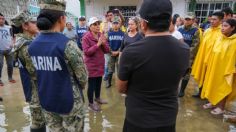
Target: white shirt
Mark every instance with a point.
(177, 35)
(5, 38)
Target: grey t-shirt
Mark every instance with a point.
(70, 34)
(5, 38)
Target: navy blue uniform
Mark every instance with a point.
(188, 35)
(54, 83)
(80, 32)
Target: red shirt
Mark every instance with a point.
(94, 55)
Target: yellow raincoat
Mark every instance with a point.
(231, 99)
(203, 56)
(220, 72)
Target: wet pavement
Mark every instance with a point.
(14, 112)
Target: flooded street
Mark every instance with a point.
(14, 112)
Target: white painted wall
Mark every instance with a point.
(73, 6)
(179, 7)
(99, 7)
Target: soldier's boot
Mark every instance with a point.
(182, 88)
(109, 79)
(42, 129)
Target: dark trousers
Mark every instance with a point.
(129, 127)
(9, 61)
(94, 86)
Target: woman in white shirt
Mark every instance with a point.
(173, 30)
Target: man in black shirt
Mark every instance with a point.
(150, 71)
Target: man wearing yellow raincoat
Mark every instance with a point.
(221, 70)
(208, 40)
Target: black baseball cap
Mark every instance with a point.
(151, 9)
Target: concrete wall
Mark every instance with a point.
(99, 7)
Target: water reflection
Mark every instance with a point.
(15, 113)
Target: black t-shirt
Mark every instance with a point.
(129, 40)
(153, 68)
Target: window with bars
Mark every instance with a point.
(204, 9)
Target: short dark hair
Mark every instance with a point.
(110, 11)
(176, 15)
(47, 18)
(17, 30)
(6, 23)
(232, 23)
(228, 11)
(82, 19)
(1, 15)
(160, 23)
(116, 11)
(219, 14)
(68, 23)
(174, 18)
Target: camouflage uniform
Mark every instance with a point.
(20, 51)
(74, 121)
(112, 64)
(193, 51)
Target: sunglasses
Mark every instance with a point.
(96, 24)
(188, 19)
(34, 22)
(115, 23)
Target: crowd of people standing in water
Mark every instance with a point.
(151, 58)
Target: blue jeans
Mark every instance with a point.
(107, 57)
(9, 61)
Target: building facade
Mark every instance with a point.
(128, 7)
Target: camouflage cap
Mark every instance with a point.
(58, 5)
(116, 19)
(190, 15)
(21, 18)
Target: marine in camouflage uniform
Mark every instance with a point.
(73, 121)
(21, 53)
(193, 51)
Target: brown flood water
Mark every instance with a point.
(14, 112)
